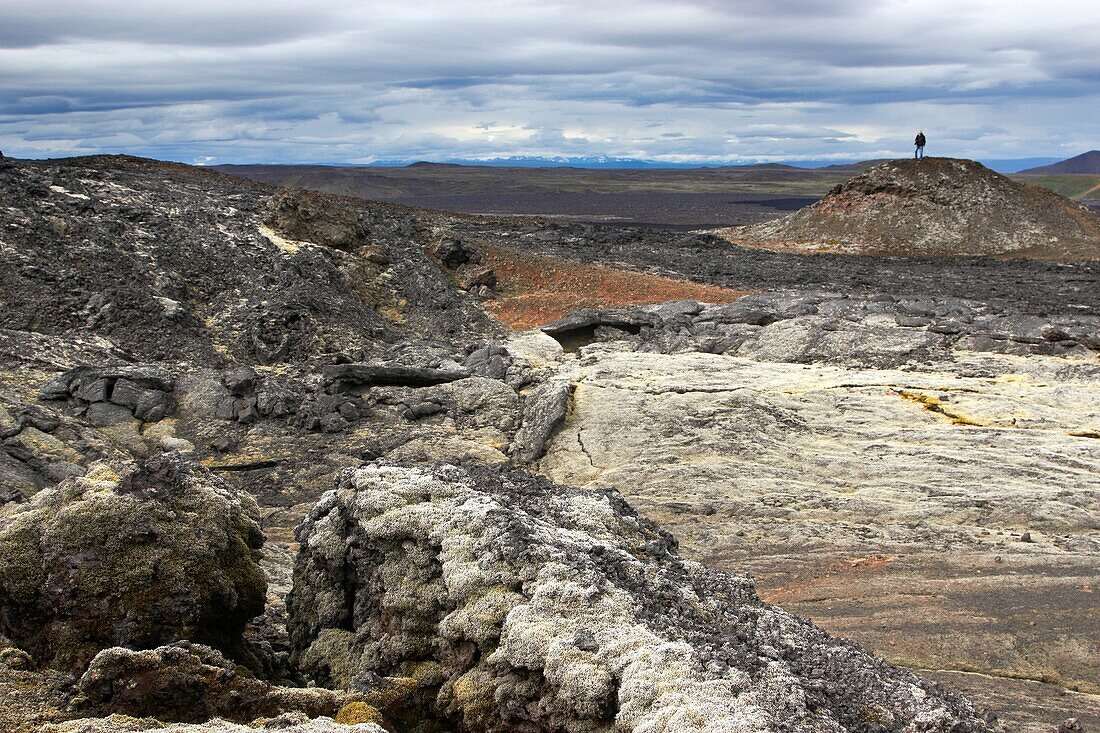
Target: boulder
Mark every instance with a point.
(519, 604)
(544, 409)
(288, 723)
(131, 555)
(240, 380)
(144, 392)
(192, 683)
(489, 360)
(453, 254)
(470, 277)
(340, 377)
(312, 217)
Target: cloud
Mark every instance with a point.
(701, 80)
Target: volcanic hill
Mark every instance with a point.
(1083, 164)
(934, 207)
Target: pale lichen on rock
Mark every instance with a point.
(555, 608)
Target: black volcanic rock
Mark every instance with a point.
(316, 218)
(169, 262)
(341, 376)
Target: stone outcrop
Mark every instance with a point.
(519, 604)
(289, 723)
(814, 327)
(167, 263)
(280, 337)
(544, 409)
(311, 217)
(464, 263)
(345, 376)
(192, 683)
(106, 395)
(41, 446)
(131, 555)
(956, 485)
(942, 207)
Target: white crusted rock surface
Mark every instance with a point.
(519, 604)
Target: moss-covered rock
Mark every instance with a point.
(132, 555)
(355, 713)
(289, 723)
(192, 683)
(550, 608)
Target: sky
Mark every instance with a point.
(703, 81)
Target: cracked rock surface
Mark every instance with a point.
(902, 449)
(955, 490)
(192, 683)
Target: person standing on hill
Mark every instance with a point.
(919, 142)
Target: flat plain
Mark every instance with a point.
(697, 198)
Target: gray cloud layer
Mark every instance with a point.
(701, 80)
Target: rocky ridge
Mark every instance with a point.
(812, 327)
(1083, 164)
(934, 207)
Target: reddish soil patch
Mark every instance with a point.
(535, 290)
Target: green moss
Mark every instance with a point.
(331, 653)
(474, 694)
(396, 689)
(355, 713)
(47, 446)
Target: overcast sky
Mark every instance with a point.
(702, 81)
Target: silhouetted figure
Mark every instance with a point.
(919, 142)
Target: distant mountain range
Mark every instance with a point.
(1007, 165)
(1083, 164)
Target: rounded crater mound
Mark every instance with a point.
(935, 207)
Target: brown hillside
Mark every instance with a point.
(1083, 164)
(934, 207)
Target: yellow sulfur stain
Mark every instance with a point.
(934, 404)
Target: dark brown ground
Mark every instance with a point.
(672, 199)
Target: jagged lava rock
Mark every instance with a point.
(934, 207)
(314, 217)
(167, 262)
(289, 723)
(523, 605)
(192, 683)
(135, 556)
